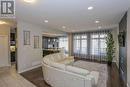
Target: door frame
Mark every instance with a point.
(16, 48)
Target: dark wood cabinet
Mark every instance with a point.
(49, 51)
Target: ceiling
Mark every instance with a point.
(73, 14)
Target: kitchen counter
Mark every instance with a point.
(50, 51)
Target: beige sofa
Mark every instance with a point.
(58, 72)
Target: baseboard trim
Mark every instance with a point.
(29, 68)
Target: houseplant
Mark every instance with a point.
(110, 48)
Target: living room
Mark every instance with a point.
(92, 35)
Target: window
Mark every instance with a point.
(80, 44)
(98, 44)
(91, 45)
(63, 43)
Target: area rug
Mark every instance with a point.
(101, 68)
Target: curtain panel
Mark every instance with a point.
(63, 43)
(90, 45)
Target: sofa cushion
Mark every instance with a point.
(66, 61)
(77, 70)
(55, 57)
(62, 56)
(58, 65)
(46, 59)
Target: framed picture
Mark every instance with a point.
(26, 37)
(36, 41)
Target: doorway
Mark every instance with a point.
(13, 47)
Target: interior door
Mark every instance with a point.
(4, 51)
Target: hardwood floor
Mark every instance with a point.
(10, 78)
(36, 77)
(114, 79)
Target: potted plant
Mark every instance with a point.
(110, 48)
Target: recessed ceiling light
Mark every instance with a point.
(97, 21)
(46, 21)
(2, 22)
(30, 1)
(99, 27)
(63, 27)
(90, 8)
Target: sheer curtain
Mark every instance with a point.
(80, 45)
(63, 43)
(90, 45)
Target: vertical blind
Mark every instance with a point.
(90, 45)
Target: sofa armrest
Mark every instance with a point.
(89, 81)
(70, 57)
(95, 74)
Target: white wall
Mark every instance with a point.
(128, 47)
(5, 30)
(115, 33)
(28, 57)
